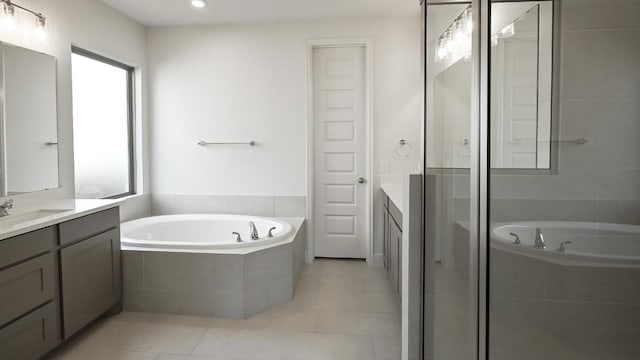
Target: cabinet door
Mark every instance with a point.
(399, 240)
(385, 234)
(393, 255)
(91, 280)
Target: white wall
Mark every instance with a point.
(248, 82)
(91, 25)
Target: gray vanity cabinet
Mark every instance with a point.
(56, 280)
(392, 219)
(90, 269)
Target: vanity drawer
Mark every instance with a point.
(32, 336)
(26, 286)
(19, 248)
(87, 226)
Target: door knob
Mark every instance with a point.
(361, 180)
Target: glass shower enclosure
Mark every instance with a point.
(532, 180)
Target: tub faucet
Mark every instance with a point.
(4, 207)
(539, 241)
(253, 231)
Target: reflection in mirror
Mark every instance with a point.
(521, 81)
(29, 151)
(521, 86)
(448, 86)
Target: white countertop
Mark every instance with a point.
(12, 225)
(395, 193)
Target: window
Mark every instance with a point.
(102, 126)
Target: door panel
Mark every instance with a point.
(91, 279)
(339, 152)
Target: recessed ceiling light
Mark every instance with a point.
(198, 3)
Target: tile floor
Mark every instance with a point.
(342, 309)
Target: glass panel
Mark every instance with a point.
(565, 247)
(101, 126)
(450, 295)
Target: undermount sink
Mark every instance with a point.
(11, 220)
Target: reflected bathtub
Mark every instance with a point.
(592, 244)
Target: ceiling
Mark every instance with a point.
(180, 12)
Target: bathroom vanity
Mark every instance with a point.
(392, 219)
(59, 271)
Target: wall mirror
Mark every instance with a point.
(28, 121)
(522, 135)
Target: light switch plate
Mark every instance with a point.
(384, 167)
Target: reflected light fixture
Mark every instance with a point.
(455, 41)
(9, 19)
(508, 31)
(199, 3)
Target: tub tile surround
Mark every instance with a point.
(258, 205)
(223, 285)
(306, 328)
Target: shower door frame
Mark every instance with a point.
(480, 179)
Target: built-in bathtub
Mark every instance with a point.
(195, 265)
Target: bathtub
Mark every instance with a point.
(193, 264)
(200, 233)
(592, 244)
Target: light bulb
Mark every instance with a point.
(508, 31)
(468, 22)
(41, 31)
(460, 35)
(441, 52)
(8, 17)
(198, 3)
(449, 42)
(494, 40)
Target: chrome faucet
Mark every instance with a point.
(271, 232)
(539, 241)
(253, 232)
(4, 208)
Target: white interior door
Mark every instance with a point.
(339, 151)
(520, 84)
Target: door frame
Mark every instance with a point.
(367, 43)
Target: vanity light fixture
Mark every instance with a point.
(199, 3)
(9, 18)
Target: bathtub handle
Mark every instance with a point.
(517, 240)
(270, 232)
(563, 246)
(239, 239)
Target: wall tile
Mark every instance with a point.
(290, 206)
(621, 13)
(581, 14)
(250, 205)
(199, 204)
(163, 204)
